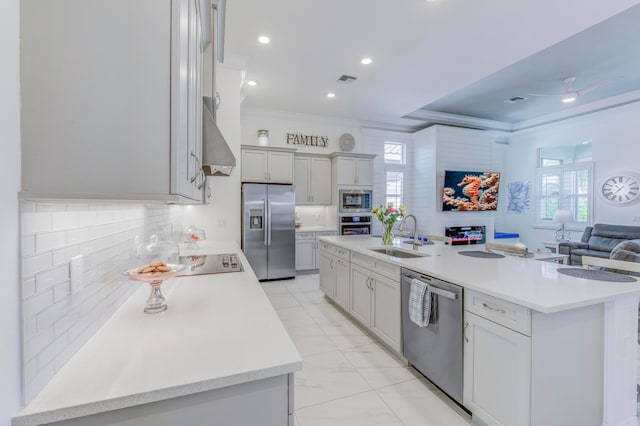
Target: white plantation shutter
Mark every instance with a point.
(565, 187)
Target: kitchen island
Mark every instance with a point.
(219, 348)
(540, 347)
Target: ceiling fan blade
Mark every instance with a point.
(547, 94)
(598, 84)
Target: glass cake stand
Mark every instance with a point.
(155, 302)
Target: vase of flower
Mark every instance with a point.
(387, 235)
(388, 217)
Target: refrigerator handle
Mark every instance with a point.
(266, 224)
(269, 221)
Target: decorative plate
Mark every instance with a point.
(346, 142)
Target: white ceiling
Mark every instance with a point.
(423, 52)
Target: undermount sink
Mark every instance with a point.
(396, 252)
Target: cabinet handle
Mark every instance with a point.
(203, 180)
(371, 287)
(209, 192)
(500, 311)
(464, 333)
(194, 177)
(331, 263)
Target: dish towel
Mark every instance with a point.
(420, 303)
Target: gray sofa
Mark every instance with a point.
(598, 241)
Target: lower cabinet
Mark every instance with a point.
(375, 302)
(308, 249)
(371, 298)
(497, 364)
(343, 283)
(328, 274)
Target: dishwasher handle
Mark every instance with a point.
(444, 293)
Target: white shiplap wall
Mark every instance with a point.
(439, 148)
(55, 324)
(374, 144)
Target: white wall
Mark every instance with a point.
(280, 123)
(613, 134)
(9, 229)
(374, 141)
(439, 148)
(221, 218)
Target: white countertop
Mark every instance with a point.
(525, 281)
(315, 229)
(219, 330)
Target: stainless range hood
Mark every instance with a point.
(218, 160)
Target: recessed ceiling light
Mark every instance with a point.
(252, 83)
(366, 61)
(331, 95)
(264, 39)
(569, 97)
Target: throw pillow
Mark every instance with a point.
(627, 251)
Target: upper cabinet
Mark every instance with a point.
(312, 178)
(112, 99)
(353, 169)
(267, 165)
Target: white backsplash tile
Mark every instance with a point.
(37, 263)
(28, 287)
(37, 343)
(28, 244)
(36, 222)
(53, 276)
(65, 219)
(37, 303)
(55, 323)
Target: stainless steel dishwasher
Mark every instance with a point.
(435, 350)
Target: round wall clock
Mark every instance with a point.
(621, 189)
(346, 142)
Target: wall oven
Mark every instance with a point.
(355, 225)
(355, 200)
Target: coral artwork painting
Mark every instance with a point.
(518, 197)
(470, 191)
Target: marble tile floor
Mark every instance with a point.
(348, 378)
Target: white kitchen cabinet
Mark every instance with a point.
(312, 178)
(360, 306)
(343, 283)
(267, 165)
(335, 279)
(328, 274)
(518, 363)
(497, 366)
(372, 298)
(375, 299)
(308, 249)
(386, 315)
(112, 111)
(352, 170)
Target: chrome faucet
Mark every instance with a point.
(402, 233)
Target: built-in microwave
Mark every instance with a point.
(355, 200)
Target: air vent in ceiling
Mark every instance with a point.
(515, 99)
(346, 79)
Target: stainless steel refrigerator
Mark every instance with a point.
(268, 229)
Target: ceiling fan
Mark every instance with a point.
(571, 94)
